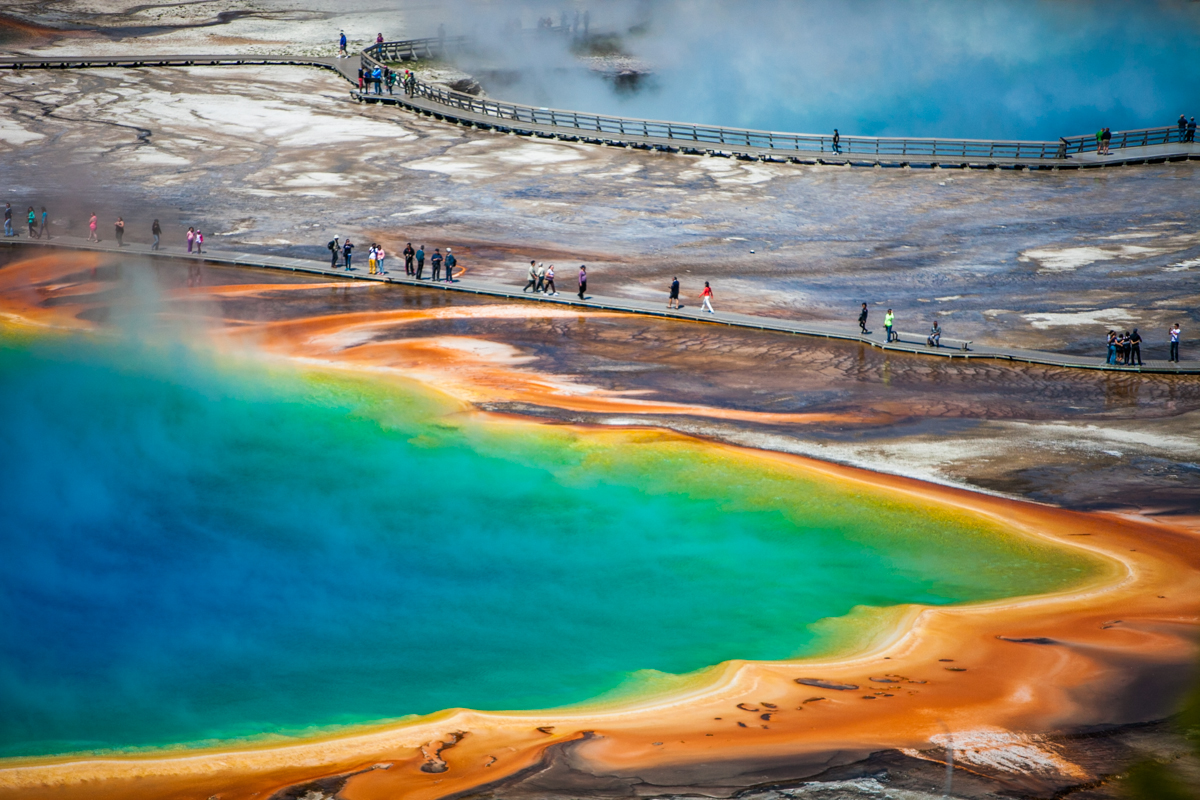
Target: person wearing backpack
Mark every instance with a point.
(451, 263)
(335, 249)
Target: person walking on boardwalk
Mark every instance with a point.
(8, 229)
(1174, 343)
(335, 252)
(837, 141)
(347, 254)
(199, 241)
(451, 263)
(342, 46)
(541, 279)
(862, 319)
(550, 290)
(408, 259)
(706, 299)
(191, 238)
(92, 223)
(420, 256)
(119, 231)
(582, 282)
(435, 261)
(532, 282)
(1135, 345)
(45, 229)
(888, 320)
(673, 298)
(33, 234)
(156, 232)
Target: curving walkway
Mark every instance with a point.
(1152, 145)
(913, 343)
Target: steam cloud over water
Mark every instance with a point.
(1028, 70)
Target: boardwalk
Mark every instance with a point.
(913, 343)
(1154, 145)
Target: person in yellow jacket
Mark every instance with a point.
(888, 319)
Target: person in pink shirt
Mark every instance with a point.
(199, 241)
(191, 238)
(92, 237)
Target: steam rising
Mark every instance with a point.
(1033, 69)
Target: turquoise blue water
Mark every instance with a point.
(197, 551)
(987, 69)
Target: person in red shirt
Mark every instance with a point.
(706, 299)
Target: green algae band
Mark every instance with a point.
(198, 552)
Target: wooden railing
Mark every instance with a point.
(720, 139)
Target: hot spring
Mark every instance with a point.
(201, 549)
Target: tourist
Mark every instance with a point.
(673, 298)
(1107, 137)
(1100, 142)
(1174, 343)
(935, 336)
(550, 290)
(1191, 134)
(435, 261)
(92, 223)
(1112, 347)
(119, 230)
(342, 46)
(888, 320)
(706, 299)
(347, 254)
(199, 241)
(32, 223)
(391, 79)
(1135, 344)
(837, 141)
(451, 263)
(377, 77)
(582, 281)
(408, 259)
(335, 250)
(1126, 348)
(8, 229)
(379, 256)
(1182, 128)
(420, 261)
(379, 39)
(45, 229)
(532, 282)
(371, 260)
(862, 319)
(541, 279)
(156, 232)
(191, 238)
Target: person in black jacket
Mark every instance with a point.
(862, 319)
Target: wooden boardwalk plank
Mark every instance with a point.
(911, 343)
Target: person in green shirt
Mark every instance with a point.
(888, 319)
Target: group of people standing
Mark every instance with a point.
(414, 260)
(1187, 129)
(1123, 348)
(376, 79)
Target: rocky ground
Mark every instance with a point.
(280, 159)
